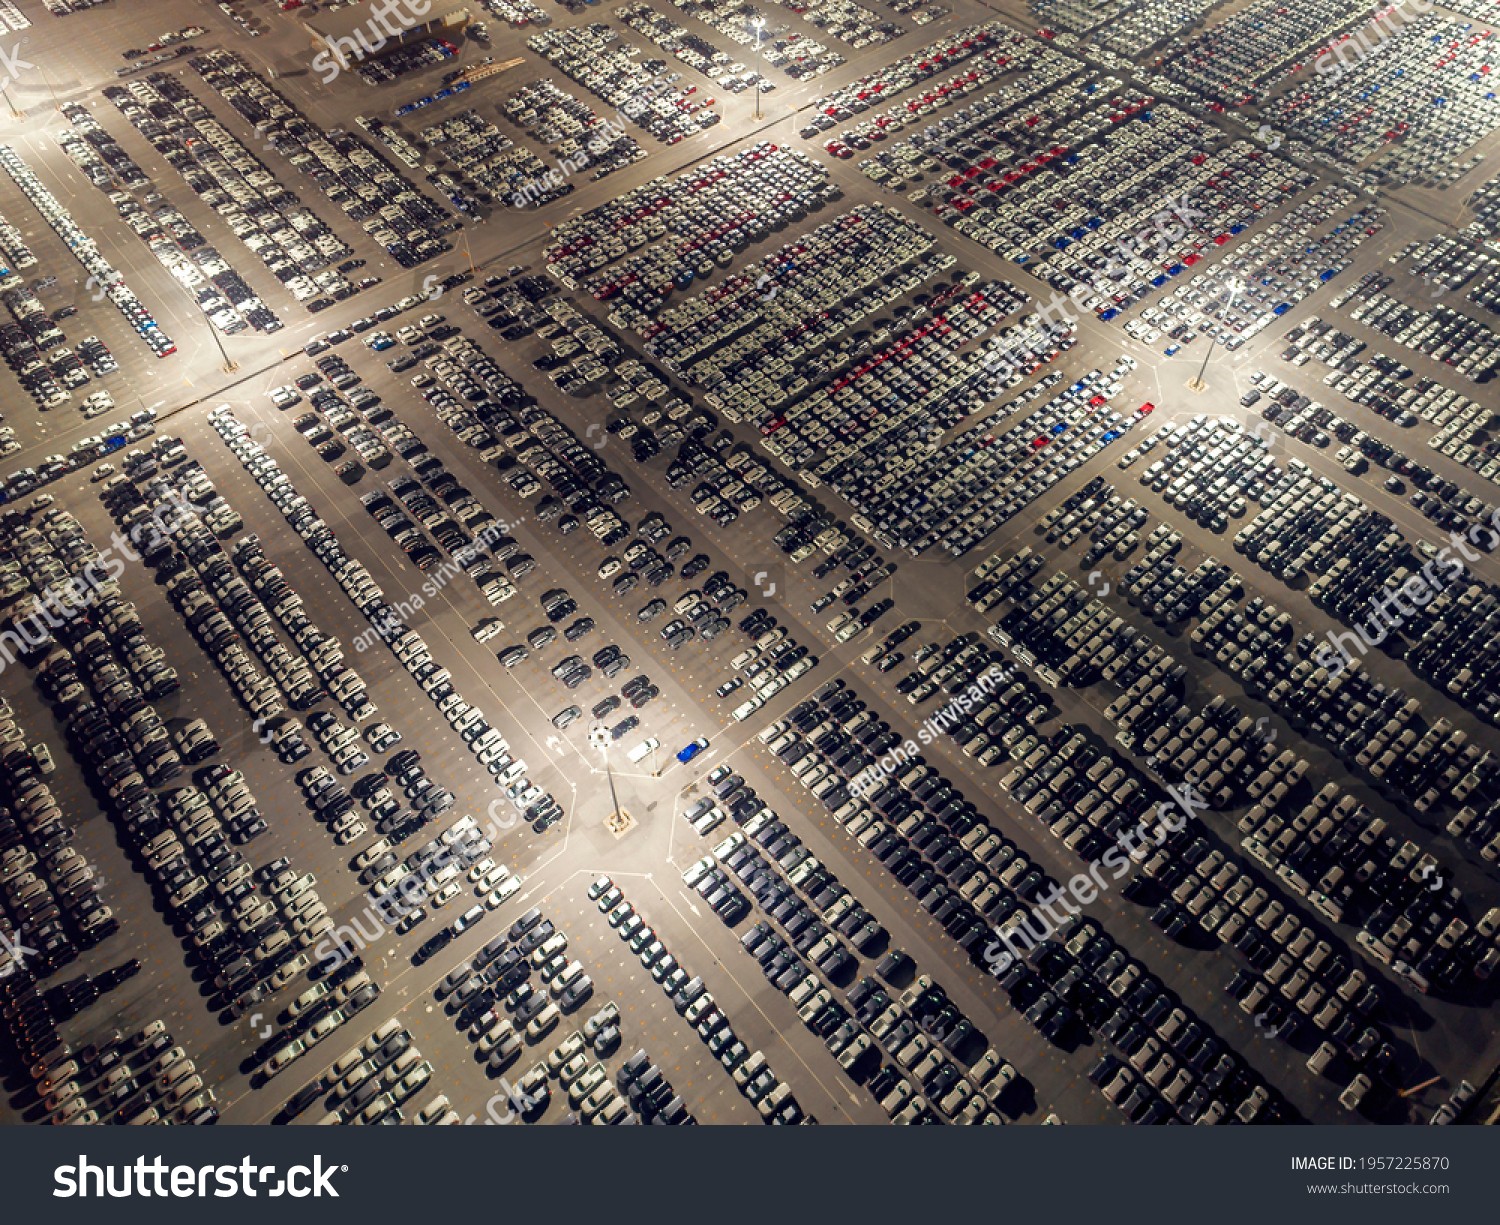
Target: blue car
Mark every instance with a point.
(687, 754)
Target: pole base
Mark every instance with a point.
(1197, 385)
(619, 823)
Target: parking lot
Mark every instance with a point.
(584, 605)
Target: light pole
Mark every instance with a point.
(599, 738)
(468, 251)
(1236, 287)
(760, 29)
(230, 365)
(51, 88)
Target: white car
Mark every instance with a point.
(487, 629)
(492, 880)
(347, 828)
(844, 627)
(507, 888)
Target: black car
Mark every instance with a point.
(433, 946)
(113, 977)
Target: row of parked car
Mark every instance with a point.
(1329, 851)
(1154, 198)
(54, 467)
(492, 998)
(1376, 727)
(692, 49)
(330, 1002)
(1416, 139)
(959, 142)
(368, 188)
(491, 413)
(51, 895)
(487, 743)
(571, 129)
(235, 599)
(919, 490)
(815, 929)
(776, 43)
(287, 236)
(1439, 330)
(620, 248)
(925, 1033)
(1233, 61)
(244, 925)
(478, 168)
(30, 345)
(1309, 527)
(139, 1078)
(463, 848)
(372, 1082)
(771, 1096)
(110, 656)
(937, 844)
(814, 914)
(1443, 501)
(731, 480)
(1334, 700)
(906, 73)
(1265, 276)
(1462, 435)
(597, 58)
(102, 274)
(761, 331)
